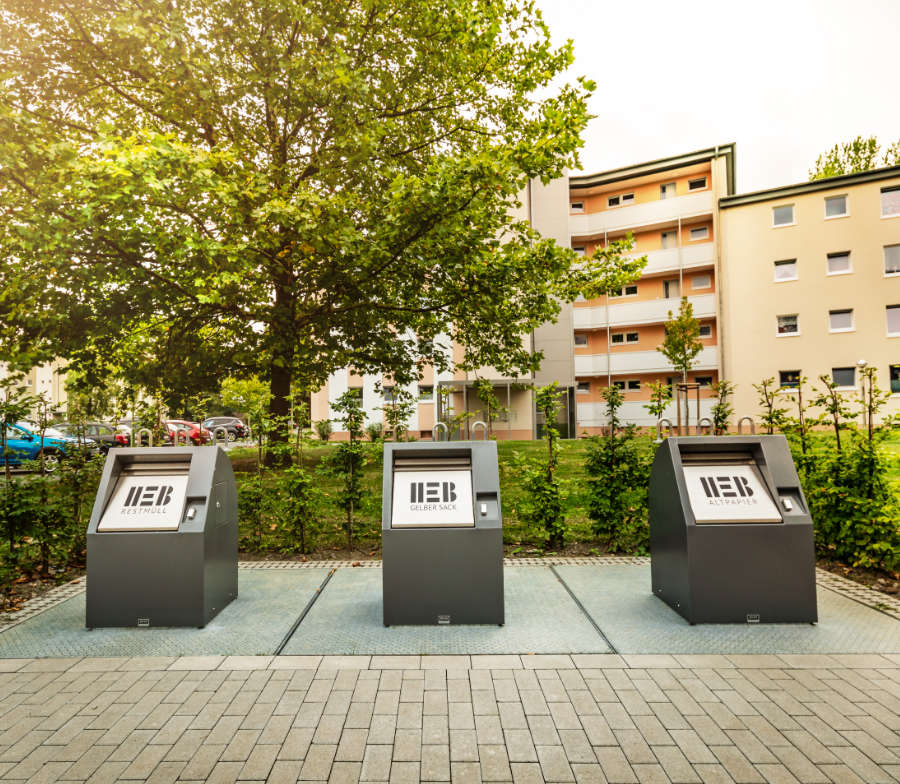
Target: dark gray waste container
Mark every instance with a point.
(731, 539)
(442, 534)
(162, 541)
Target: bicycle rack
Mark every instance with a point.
(659, 425)
(708, 423)
(140, 437)
(446, 431)
(746, 419)
(215, 438)
(476, 424)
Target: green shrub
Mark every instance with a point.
(323, 429)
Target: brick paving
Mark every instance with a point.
(502, 718)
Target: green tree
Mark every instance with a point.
(492, 408)
(681, 345)
(544, 506)
(660, 397)
(722, 408)
(348, 459)
(398, 408)
(860, 154)
(280, 189)
(774, 417)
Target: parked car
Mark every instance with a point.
(103, 433)
(233, 426)
(23, 443)
(196, 434)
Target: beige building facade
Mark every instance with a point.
(670, 208)
(810, 284)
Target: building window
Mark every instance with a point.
(671, 288)
(388, 394)
(617, 337)
(426, 394)
(789, 378)
(619, 385)
(785, 270)
(667, 190)
(631, 337)
(787, 325)
(583, 387)
(891, 259)
(701, 282)
(783, 216)
(697, 185)
(634, 385)
(893, 319)
(628, 291)
(706, 330)
(839, 263)
(579, 250)
(835, 206)
(700, 233)
(840, 320)
(890, 201)
(581, 340)
(669, 239)
(703, 381)
(844, 377)
(576, 206)
(621, 200)
(895, 378)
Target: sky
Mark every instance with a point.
(784, 79)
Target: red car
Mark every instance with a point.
(197, 435)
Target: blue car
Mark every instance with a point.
(23, 443)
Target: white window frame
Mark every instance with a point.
(579, 390)
(576, 207)
(703, 386)
(622, 386)
(621, 203)
(851, 328)
(889, 189)
(662, 240)
(637, 338)
(584, 337)
(793, 222)
(844, 214)
(703, 187)
(624, 290)
(787, 334)
(579, 250)
(782, 263)
(616, 342)
(884, 261)
(664, 185)
(708, 328)
(888, 321)
(631, 388)
(695, 278)
(782, 385)
(830, 256)
(704, 229)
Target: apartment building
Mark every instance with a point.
(670, 207)
(453, 394)
(811, 284)
(44, 381)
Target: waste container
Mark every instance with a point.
(442, 534)
(731, 538)
(162, 540)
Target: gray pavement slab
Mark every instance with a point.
(268, 603)
(618, 598)
(540, 618)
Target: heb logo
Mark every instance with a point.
(432, 492)
(726, 486)
(149, 495)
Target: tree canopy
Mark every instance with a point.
(860, 154)
(280, 188)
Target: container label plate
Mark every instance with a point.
(432, 499)
(729, 494)
(146, 503)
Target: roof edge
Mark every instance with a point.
(786, 191)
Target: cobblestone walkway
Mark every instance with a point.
(584, 718)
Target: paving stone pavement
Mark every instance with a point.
(500, 718)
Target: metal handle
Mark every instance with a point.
(659, 428)
(700, 424)
(446, 430)
(746, 419)
(476, 424)
(140, 436)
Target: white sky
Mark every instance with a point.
(785, 79)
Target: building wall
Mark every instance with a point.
(752, 299)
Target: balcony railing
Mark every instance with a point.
(649, 311)
(652, 212)
(633, 411)
(697, 255)
(638, 362)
